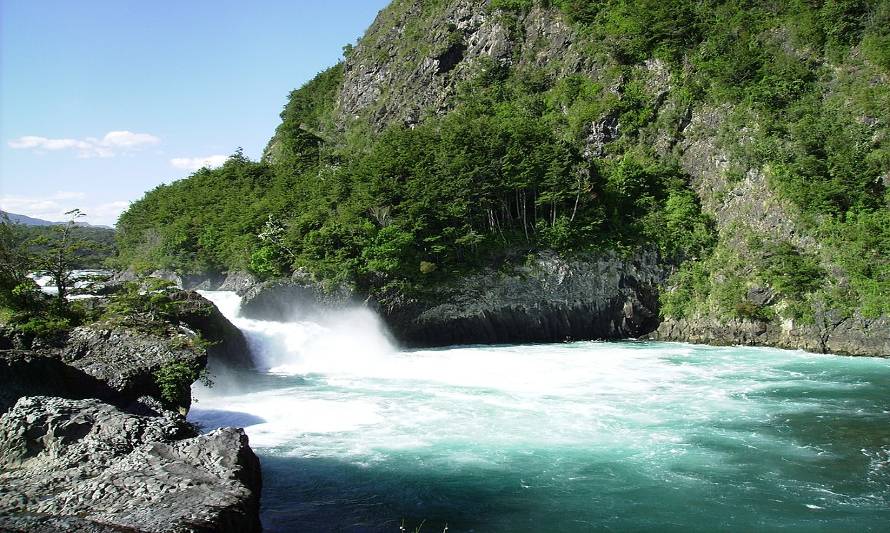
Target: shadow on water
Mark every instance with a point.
(320, 494)
(323, 494)
(216, 418)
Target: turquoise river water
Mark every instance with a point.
(355, 435)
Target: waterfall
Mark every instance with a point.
(346, 341)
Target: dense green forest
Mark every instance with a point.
(507, 170)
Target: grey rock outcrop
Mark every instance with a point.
(227, 343)
(548, 298)
(126, 359)
(391, 79)
(292, 299)
(117, 360)
(238, 281)
(746, 201)
(208, 281)
(849, 336)
(85, 465)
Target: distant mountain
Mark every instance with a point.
(31, 221)
(28, 221)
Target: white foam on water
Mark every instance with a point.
(345, 391)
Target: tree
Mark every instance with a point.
(59, 255)
(13, 259)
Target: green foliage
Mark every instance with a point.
(512, 5)
(27, 297)
(148, 298)
(44, 327)
(861, 246)
(96, 245)
(14, 260)
(509, 168)
(26, 308)
(503, 170)
(209, 221)
(266, 261)
(791, 272)
(174, 381)
(296, 145)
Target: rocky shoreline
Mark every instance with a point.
(848, 336)
(93, 435)
(549, 298)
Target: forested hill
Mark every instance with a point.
(746, 141)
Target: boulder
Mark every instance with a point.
(238, 281)
(88, 466)
(292, 299)
(227, 343)
(127, 359)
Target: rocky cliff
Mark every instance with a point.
(538, 298)
(843, 335)
(410, 64)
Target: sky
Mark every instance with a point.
(103, 100)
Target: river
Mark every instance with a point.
(356, 435)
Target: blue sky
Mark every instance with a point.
(101, 101)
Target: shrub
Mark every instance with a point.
(174, 381)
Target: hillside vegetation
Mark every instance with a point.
(506, 127)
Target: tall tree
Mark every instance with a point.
(57, 259)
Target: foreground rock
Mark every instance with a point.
(118, 359)
(87, 466)
(104, 447)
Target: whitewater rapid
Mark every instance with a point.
(550, 422)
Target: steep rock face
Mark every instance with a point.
(747, 201)
(747, 205)
(547, 299)
(411, 60)
(87, 464)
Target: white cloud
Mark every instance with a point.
(128, 139)
(112, 143)
(194, 163)
(54, 207)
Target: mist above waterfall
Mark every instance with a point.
(344, 340)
